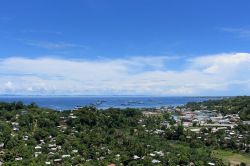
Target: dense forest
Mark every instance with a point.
(30, 135)
(229, 105)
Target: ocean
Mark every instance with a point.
(67, 103)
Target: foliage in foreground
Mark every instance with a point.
(93, 137)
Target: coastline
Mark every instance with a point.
(104, 102)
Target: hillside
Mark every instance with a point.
(30, 135)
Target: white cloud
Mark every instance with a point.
(228, 65)
(52, 45)
(8, 85)
(220, 74)
(241, 32)
(41, 32)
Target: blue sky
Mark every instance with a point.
(135, 47)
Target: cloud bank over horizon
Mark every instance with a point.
(219, 74)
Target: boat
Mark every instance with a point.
(78, 107)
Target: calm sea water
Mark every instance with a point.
(65, 103)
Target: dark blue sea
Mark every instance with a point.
(66, 103)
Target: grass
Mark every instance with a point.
(229, 156)
(225, 155)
